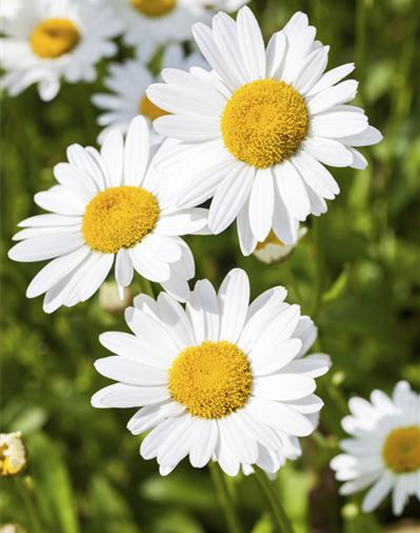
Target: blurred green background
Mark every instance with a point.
(356, 273)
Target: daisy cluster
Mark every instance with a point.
(250, 128)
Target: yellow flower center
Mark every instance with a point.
(212, 380)
(54, 38)
(264, 122)
(150, 110)
(119, 217)
(154, 8)
(271, 239)
(401, 451)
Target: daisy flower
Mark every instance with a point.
(12, 454)
(149, 24)
(383, 449)
(272, 250)
(51, 40)
(256, 132)
(128, 83)
(108, 205)
(222, 379)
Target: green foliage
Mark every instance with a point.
(356, 272)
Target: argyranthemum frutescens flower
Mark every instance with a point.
(223, 379)
(149, 24)
(50, 40)
(384, 448)
(128, 82)
(108, 205)
(12, 454)
(255, 133)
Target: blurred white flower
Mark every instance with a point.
(108, 206)
(110, 298)
(128, 83)
(222, 380)
(152, 23)
(255, 133)
(51, 40)
(9, 8)
(12, 454)
(384, 448)
(272, 250)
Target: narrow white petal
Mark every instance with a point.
(233, 301)
(130, 372)
(136, 152)
(120, 395)
(261, 204)
(292, 190)
(112, 154)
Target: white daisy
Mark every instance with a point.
(223, 379)
(384, 448)
(272, 250)
(107, 205)
(51, 40)
(149, 24)
(128, 83)
(254, 134)
(12, 454)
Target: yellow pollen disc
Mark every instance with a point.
(212, 380)
(154, 8)
(150, 110)
(401, 451)
(271, 239)
(119, 217)
(264, 122)
(54, 38)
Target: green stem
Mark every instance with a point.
(29, 505)
(281, 520)
(225, 499)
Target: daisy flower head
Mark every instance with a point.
(128, 83)
(108, 205)
(12, 454)
(149, 24)
(383, 451)
(221, 380)
(51, 40)
(255, 133)
(272, 250)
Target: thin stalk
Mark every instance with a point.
(281, 520)
(28, 505)
(225, 499)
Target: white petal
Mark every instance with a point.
(120, 395)
(136, 152)
(247, 241)
(314, 365)
(251, 44)
(229, 198)
(285, 226)
(188, 128)
(328, 151)
(337, 124)
(267, 359)
(261, 204)
(130, 372)
(203, 312)
(377, 493)
(292, 190)
(316, 175)
(339, 94)
(276, 50)
(233, 301)
(283, 387)
(174, 316)
(61, 201)
(46, 247)
(112, 154)
(368, 137)
(203, 445)
(123, 268)
(183, 222)
(331, 78)
(147, 265)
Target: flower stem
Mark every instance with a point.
(28, 505)
(225, 500)
(281, 520)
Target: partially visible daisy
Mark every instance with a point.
(51, 40)
(222, 380)
(149, 24)
(110, 298)
(383, 450)
(12, 454)
(255, 134)
(108, 206)
(272, 250)
(128, 83)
